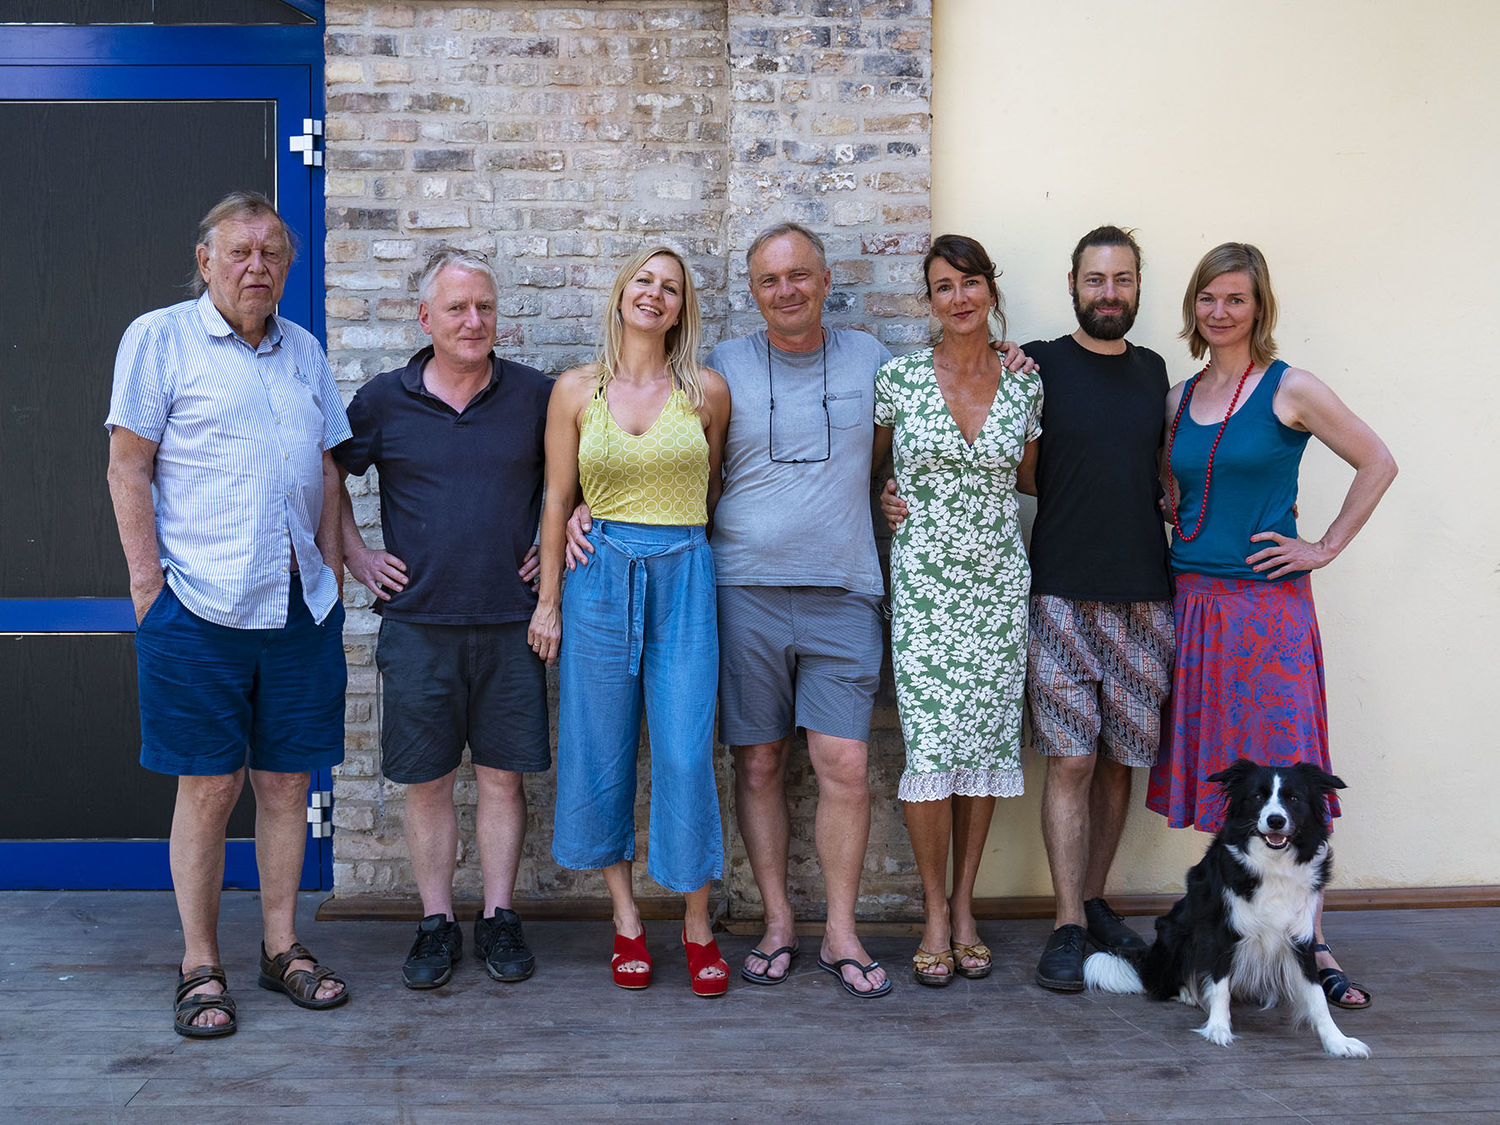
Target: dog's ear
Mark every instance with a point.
(1319, 778)
(1233, 775)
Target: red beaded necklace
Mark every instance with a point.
(1208, 475)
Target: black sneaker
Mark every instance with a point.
(499, 943)
(440, 942)
(1061, 966)
(1110, 932)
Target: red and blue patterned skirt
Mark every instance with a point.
(1248, 683)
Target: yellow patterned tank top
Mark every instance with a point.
(659, 477)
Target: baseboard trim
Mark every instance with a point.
(408, 908)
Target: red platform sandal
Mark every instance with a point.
(700, 957)
(629, 949)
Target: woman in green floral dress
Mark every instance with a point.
(963, 428)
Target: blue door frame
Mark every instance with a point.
(145, 63)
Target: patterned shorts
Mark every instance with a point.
(1096, 676)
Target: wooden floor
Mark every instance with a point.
(85, 1035)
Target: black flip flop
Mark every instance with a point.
(768, 958)
(836, 968)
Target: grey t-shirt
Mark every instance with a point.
(800, 519)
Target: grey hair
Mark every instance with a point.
(445, 256)
(235, 205)
(782, 229)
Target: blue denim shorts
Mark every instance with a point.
(215, 698)
(639, 632)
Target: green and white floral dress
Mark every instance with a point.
(959, 583)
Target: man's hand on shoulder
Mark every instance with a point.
(381, 572)
(1015, 359)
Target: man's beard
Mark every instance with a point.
(1105, 327)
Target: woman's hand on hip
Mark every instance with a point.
(1287, 555)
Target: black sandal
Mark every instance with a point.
(188, 1008)
(299, 985)
(1336, 984)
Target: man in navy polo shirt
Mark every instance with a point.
(456, 436)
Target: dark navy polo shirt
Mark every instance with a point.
(460, 493)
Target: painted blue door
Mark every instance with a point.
(110, 162)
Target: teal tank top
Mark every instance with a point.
(1254, 486)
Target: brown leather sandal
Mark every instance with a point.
(924, 966)
(979, 952)
(300, 985)
(188, 1008)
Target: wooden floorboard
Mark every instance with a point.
(86, 981)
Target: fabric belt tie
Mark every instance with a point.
(636, 581)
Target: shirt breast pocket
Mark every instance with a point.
(847, 409)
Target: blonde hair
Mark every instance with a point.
(1233, 257)
(683, 339)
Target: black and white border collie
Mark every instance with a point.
(1245, 926)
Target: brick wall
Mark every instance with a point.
(558, 138)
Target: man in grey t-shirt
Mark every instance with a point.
(799, 591)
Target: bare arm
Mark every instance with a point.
(329, 536)
(380, 572)
(880, 448)
(132, 467)
(570, 396)
(1026, 470)
(1169, 495)
(715, 417)
(1306, 403)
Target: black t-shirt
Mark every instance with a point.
(1098, 534)
(460, 494)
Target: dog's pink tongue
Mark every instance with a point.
(1276, 841)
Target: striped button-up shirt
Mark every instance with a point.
(240, 434)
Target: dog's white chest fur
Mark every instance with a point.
(1275, 919)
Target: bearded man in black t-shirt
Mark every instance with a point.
(1101, 639)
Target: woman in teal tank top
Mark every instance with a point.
(1248, 676)
(635, 629)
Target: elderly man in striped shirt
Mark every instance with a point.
(220, 422)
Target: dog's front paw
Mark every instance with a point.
(1216, 1033)
(1342, 1046)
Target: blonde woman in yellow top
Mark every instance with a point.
(641, 431)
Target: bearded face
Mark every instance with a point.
(1105, 318)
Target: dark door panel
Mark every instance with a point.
(109, 239)
(74, 771)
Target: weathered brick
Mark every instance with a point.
(378, 159)
(437, 218)
(600, 126)
(360, 218)
(442, 159)
(336, 71)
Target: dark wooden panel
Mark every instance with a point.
(70, 743)
(100, 217)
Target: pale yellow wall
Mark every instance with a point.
(1355, 142)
